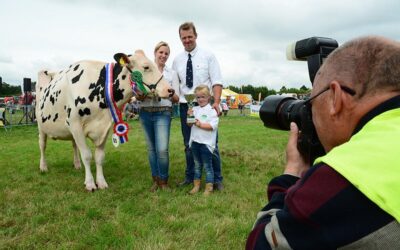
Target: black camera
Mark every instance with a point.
(279, 111)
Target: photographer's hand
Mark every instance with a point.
(296, 165)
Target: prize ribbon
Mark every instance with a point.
(137, 83)
(121, 128)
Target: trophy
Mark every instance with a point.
(191, 100)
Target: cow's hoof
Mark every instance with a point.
(102, 184)
(77, 165)
(43, 169)
(90, 187)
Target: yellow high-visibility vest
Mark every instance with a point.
(370, 160)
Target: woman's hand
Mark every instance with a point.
(171, 92)
(173, 96)
(140, 97)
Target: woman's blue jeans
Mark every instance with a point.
(202, 159)
(157, 126)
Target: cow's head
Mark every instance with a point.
(142, 68)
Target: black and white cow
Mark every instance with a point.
(71, 106)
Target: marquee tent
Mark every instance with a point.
(232, 98)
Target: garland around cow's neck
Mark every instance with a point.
(121, 128)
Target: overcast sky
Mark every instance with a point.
(249, 37)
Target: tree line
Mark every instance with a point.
(12, 90)
(9, 90)
(264, 91)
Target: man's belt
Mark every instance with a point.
(156, 109)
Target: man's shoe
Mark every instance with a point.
(218, 186)
(184, 183)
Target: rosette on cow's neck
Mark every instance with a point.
(137, 78)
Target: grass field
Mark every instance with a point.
(53, 210)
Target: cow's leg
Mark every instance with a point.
(42, 146)
(77, 160)
(99, 158)
(86, 155)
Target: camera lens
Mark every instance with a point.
(279, 111)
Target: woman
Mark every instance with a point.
(155, 117)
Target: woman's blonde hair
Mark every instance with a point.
(159, 45)
(203, 89)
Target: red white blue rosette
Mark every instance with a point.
(121, 128)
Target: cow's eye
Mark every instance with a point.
(146, 68)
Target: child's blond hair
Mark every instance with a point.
(203, 89)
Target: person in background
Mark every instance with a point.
(225, 107)
(32, 114)
(203, 138)
(136, 107)
(241, 106)
(129, 111)
(155, 117)
(349, 198)
(197, 66)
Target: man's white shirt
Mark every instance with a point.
(206, 70)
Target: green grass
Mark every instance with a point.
(53, 211)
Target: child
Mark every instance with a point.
(203, 138)
(225, 107)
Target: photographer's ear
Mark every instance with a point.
(335, 98)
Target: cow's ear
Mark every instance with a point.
(121, 58)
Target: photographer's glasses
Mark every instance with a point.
(348, 90)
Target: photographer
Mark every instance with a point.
(349, 198)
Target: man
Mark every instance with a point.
(240, 106)
(349, 199)
(197, 66)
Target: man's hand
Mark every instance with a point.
(217, 91)
(216, 106)
(295, 164)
